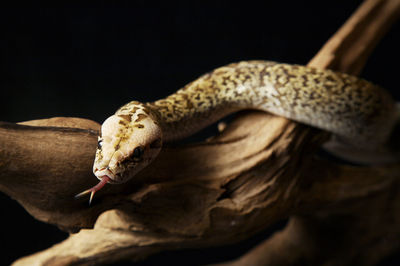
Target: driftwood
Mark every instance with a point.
(260, 169)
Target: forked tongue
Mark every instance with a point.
(104, 180)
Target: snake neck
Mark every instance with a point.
(351, 108)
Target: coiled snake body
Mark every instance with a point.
(354, 110)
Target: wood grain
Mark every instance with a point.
(260, 169)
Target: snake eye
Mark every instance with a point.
(99, 144)
(138, 152)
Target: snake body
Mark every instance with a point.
(345, 105)
(354, 110)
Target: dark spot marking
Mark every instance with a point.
(134, 109)
(121, 122)
(147, 110)
(330, 78)
(140, 117)
(313, 71)
(189, 105)
(117, 147)
(130, 161)
(139, 125)
(126, 117)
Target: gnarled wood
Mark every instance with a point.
(259, 170)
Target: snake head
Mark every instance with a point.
(129, 141)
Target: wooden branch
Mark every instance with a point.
(349, 48)
(259, 170)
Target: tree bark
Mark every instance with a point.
(260, 169)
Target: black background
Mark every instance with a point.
(86, 62)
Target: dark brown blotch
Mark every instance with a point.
(130, 161)
(139, 125)
(140, 117)
(134, 109)
(147, 110)
(189, 105)
(330, 78)
(126, 117)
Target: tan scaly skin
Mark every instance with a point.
(354, 110)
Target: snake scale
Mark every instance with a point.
(356, 111)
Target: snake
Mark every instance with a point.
(358, 113)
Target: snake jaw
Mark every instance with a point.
(104, 180)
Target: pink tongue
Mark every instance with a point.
(104, 180)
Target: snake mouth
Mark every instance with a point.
(105, 171)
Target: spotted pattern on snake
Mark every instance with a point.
(354, 110)
(342, 104)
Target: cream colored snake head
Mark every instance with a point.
(129, 141)
(359, 114)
